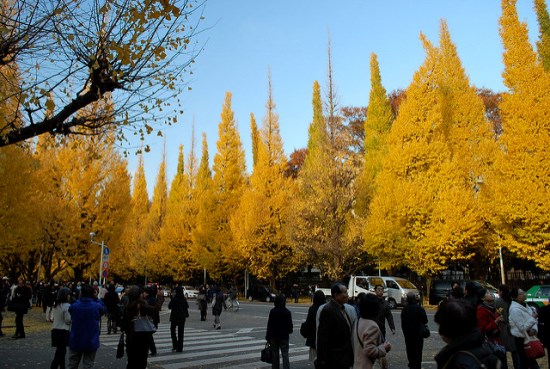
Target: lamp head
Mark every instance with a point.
(92, 235)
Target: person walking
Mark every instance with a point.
(384, 313)
(137, 343)
(465, 344)
(179, 311)
(335, 322)
(20, 305)
(61, 327)
(502, 305)
(111, 301)
(413, 319)
(279, 327)
(202, 301)
(84, 336)
(218, 304)
(522, 325)
(369, 343)
(309, 327)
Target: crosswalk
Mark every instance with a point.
(204, 348)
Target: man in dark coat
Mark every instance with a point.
(384, 313)
(413, 319)
(334, 343)
(465, 343)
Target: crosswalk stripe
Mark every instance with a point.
(232, 359)
(202, 347)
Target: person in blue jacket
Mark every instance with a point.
(84, 337)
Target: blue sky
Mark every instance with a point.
(243, 38)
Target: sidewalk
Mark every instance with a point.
(35, 350)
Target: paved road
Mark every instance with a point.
(236, 345)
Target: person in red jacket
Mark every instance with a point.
(488, 321)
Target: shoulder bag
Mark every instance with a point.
(533, 347)
(143, 324)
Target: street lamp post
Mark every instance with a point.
(102, 244)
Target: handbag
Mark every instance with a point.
(143, 324)
(533, 347)
(266, 355)
(120, 347)
(424, 331)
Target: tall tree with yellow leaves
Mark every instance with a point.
(521, 182)
(130, 260)
(426, 212)
(260, 222)
(203, 232)
(320, 226)
(154, 223)
(218, 253)
(176, 230)
(377, 127)
(543, 45)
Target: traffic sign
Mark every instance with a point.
(105, 265)
(105, 273)
(105, 257)
(106, 250)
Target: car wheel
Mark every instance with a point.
(392, 303)
(249, 298)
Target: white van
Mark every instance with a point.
(364, 283)
(397, 289)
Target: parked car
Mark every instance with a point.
(190, 292)
(440, 289)
(260, 293)
(538, 295)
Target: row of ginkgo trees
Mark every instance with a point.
(433, 185)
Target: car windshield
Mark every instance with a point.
(405, 284)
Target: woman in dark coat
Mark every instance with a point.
(179, 312)
(20, 303)
(413, 318)
(309, 327)
(137, 343)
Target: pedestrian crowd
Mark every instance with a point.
(478, 329)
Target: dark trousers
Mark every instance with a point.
(177, 341)
(59, 357)
(1, 319)
(414, 346)
(137, 349)
(19, 328)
